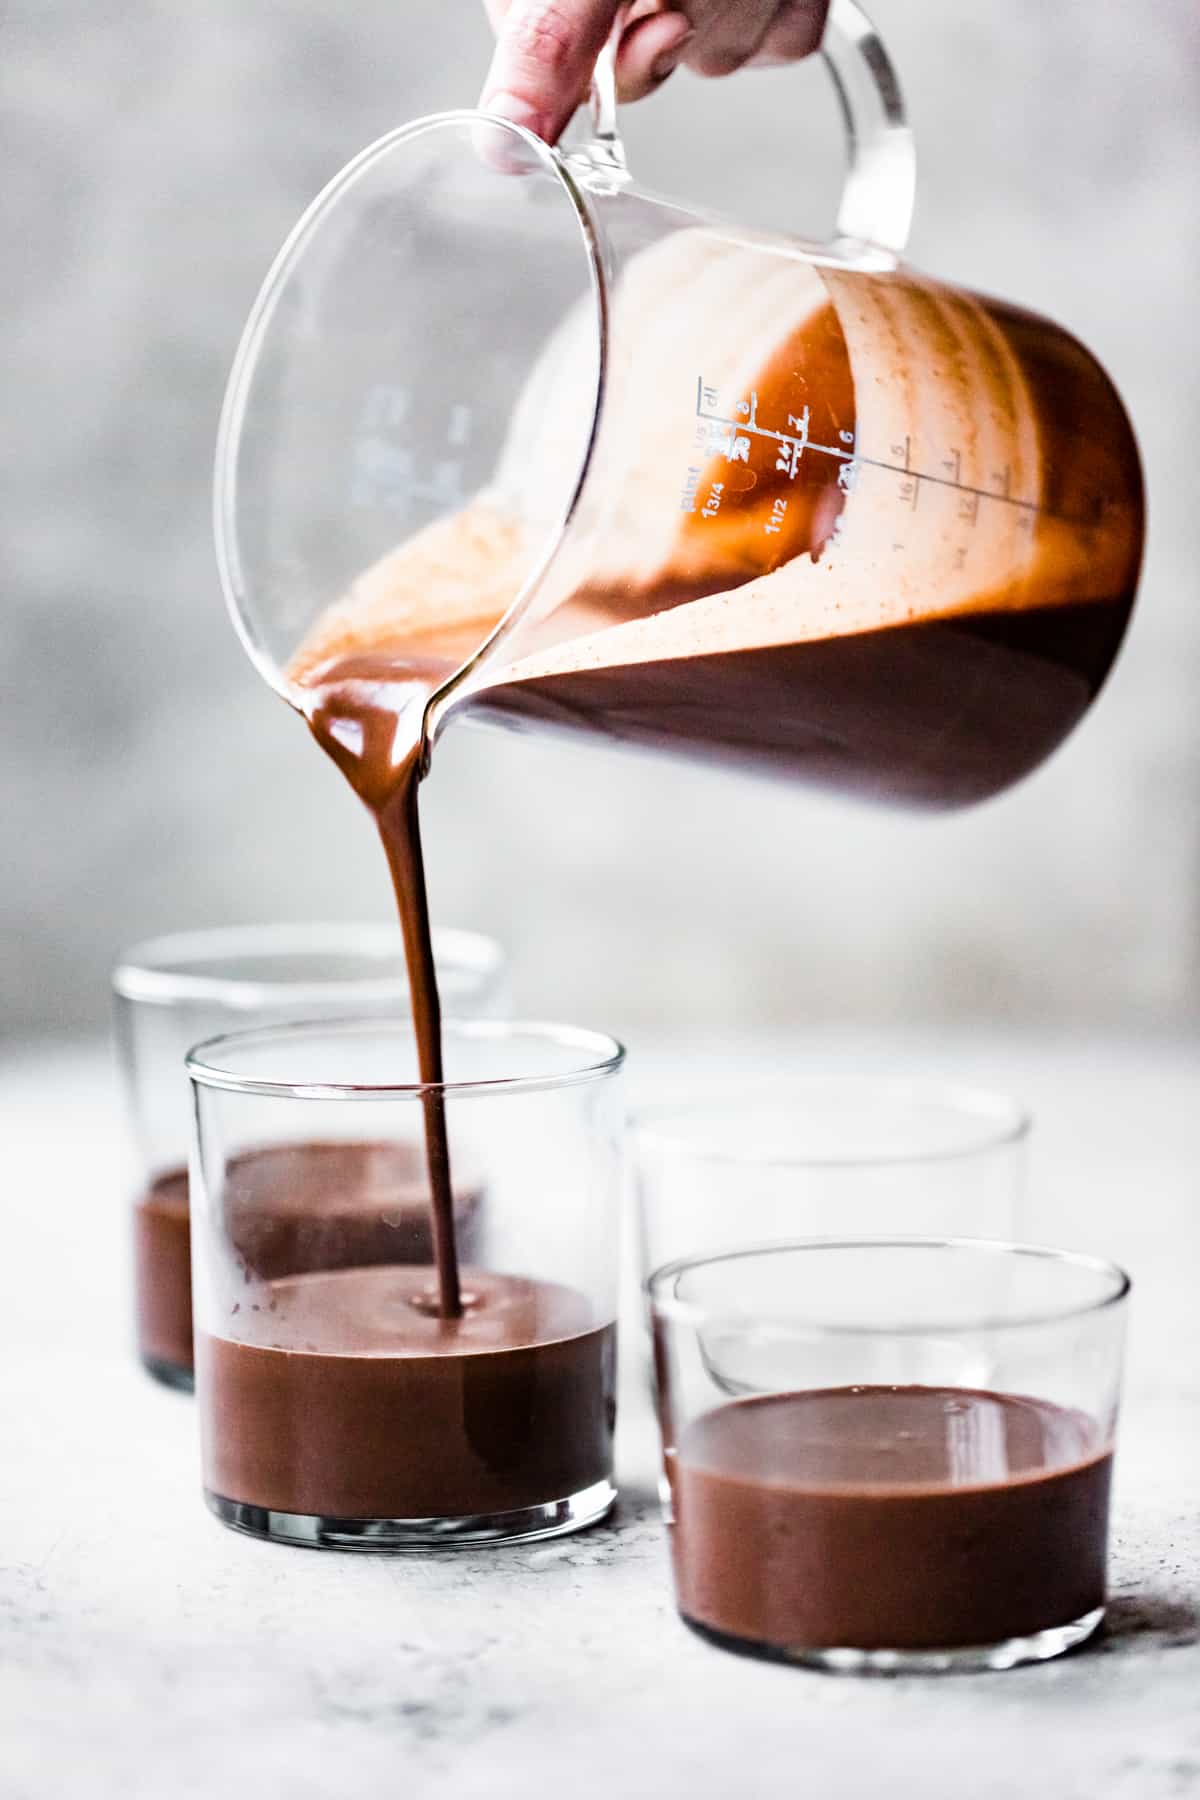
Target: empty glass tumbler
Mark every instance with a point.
(836, 1155)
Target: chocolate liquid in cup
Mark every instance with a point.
(913, 1518)
(347, 1396)
(162, 1271)
(862, 529)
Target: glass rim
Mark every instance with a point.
(690, 1312)
(1003, 1120)
(237, 590)
(603, 1057)
(146, 971)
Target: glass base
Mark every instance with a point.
(966, 1659)
(315, 1531)
(172, 1375)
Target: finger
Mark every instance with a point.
(728, 32)
(795, 32)
(650, 48)
(545, 53)
(497, 10)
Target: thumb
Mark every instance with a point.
(545, 53)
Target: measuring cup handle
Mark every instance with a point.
(876, 207)
(606, 148)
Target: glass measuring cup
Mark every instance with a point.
(508, 433)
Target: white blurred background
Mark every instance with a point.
(156, 153)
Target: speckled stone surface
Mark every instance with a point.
(146, 1653)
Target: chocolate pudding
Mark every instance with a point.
(872, 1518)
(162, 1278)
(346, 1395)
(288, 1209)
(854, 712)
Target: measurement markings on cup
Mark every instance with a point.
(730, 437)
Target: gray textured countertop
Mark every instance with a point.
(146, 1652)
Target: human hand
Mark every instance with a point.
(546, 50)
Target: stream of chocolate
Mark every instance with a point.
(372, 730)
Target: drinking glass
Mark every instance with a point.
(171, 992)
(338, 1407)
(840, 1155)
(890, 1455)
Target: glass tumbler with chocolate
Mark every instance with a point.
(890, 1455)
(461, 1392)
